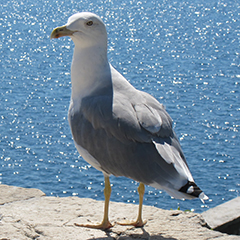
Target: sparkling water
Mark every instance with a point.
(185, 54)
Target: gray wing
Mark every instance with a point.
(130, 136)
(139, 118)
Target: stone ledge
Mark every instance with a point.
(225, 217)
(32, 215)
(11, 193)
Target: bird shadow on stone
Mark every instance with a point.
(126, 235)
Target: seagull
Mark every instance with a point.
(116, 128)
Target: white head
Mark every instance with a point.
(86, 30)
(90, 69)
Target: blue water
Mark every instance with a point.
(186, 54)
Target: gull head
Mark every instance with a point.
(86, 29)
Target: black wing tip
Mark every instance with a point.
(192, 189)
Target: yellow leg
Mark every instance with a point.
(105, 224)
(139, 222)
(141, 190)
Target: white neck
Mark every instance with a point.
(90, 70)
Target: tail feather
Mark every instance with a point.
(203, 197)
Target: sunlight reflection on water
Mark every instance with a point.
(186, 54)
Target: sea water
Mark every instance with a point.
(184, 53)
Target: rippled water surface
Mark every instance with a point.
(186, 54)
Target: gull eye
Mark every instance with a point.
(89, 23)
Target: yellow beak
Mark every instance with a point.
(61, 32)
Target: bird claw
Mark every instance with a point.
(102, 226)
(137, 223)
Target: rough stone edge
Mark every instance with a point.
(35, 193)
(12, 193)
